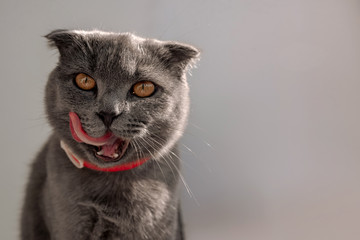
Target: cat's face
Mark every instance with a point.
(133, 88)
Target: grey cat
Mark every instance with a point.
(118, 104)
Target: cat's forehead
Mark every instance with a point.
(115, 52)
(100, 39)
(92, 32)
(97, 33)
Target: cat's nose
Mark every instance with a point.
(107, 117)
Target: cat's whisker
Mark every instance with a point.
(164, 158)
(196, 126)
(187, 131)
(187, 187)
(199, 138)
(191, 194)
(171, 169)
(132, 143)
(197, 157)
(140, 150)
(171, 152)
(154, 159)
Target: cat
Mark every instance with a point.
(118, 104)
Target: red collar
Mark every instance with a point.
(80, 163)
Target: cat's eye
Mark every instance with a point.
(85, 82)
(144, 89)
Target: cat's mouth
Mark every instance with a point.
(108, 148)
(111, 152)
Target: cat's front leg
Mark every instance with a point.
(33, 226)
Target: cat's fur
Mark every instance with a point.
(63, 202)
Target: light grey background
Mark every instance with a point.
(274, 127)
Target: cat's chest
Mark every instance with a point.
(140, 209)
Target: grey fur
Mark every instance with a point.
(64, 202)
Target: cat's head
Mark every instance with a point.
(117, 85)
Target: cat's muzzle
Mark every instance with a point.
(108, 147)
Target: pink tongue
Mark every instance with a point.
(78, 133)
(109, 150)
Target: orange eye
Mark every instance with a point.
(143, 89)
(85, 82)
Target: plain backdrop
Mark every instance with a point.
(272, 150)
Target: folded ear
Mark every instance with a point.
(180, 56)
(62, 39)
